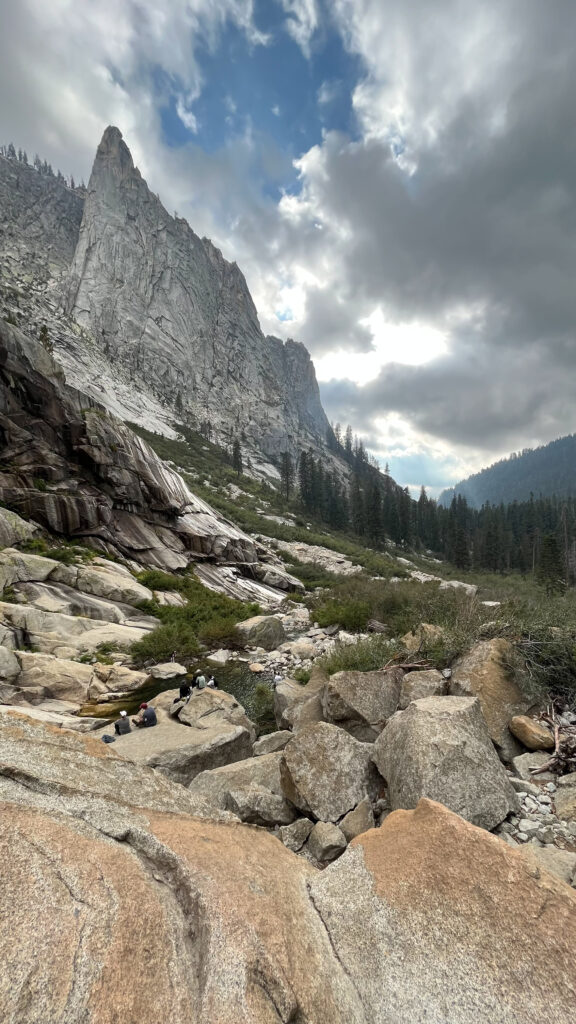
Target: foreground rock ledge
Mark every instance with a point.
(120, 905)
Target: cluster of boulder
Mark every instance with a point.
(126, 898)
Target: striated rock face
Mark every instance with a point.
(76, 470)
(164, 306)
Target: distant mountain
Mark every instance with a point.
(548, 470)
(145, 316)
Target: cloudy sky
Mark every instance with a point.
(396, 179)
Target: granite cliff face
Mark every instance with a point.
(145, 316)
(78, 471)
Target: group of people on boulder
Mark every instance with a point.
(147, 717)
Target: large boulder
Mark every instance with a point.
(485, 672)
(259, 806)
(167, 671)
(216, 786)
(264, 631)
(118, 904)
(362, 702)
(435, 920)
(205, 749)
(60, 678)
(205, 710)
(440, 748)
(287, 695)
(326, 772)
(415, 685)
(67, 636)
(272, 742)
(14, 529)
(561, 863)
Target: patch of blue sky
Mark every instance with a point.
(268, 90)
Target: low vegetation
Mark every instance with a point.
(206, 620)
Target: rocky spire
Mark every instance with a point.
(168, 311)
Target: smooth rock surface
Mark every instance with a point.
(403, 898)
(532, 734)
(214, 787)
(440, 748)
(261, 631)
(272, 742)
(259, 806)
(205, 749)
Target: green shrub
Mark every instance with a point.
(365, 656)
(302, 675)
(207, 618)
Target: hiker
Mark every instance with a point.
(200, 681)
(277, 680)
(185, 691)
(212, 683)
(145, 718)
(122, 726)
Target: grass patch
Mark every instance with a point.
(207, 619)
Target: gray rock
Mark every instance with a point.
(286, 695)
(362, 702)
(533, 759)
(264, 631)
(272, 742)
(523, 786)
(326, 772)
(9, 665)
(440, 748)
(483, 672)
(295, 835)
(168, 670)
(193, 312)
(416, 685)
(214, 787)
(225, 744)
(325, 842)
(259, 806)
(357, 821)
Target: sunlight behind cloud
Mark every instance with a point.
(411, 344)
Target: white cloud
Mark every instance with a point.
(302, 21)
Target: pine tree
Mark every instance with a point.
(550, 570)
(286, 474)
(237, 457)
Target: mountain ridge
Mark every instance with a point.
(547, 471)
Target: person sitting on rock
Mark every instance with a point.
(212, 683)
(200, 682)
(145, 717)
(185, 691)
(122, 726)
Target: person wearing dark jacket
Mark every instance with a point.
(145, 717)
(149, 717)
(122, 726)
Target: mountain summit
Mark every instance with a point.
(152, 321)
